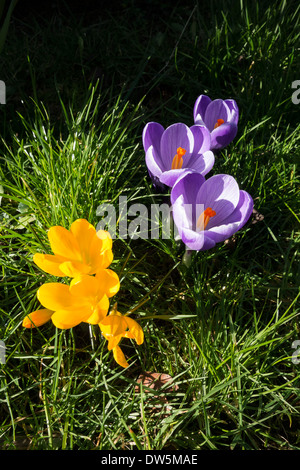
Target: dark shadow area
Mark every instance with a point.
(165, 52)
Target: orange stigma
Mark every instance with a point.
(204, 218)
(219, 123)
(178, 160)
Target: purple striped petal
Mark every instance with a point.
(182, 214)
(183, 198)
(170, 177)
(235, 221)
(200, 107)
(234, 111)
(196, 241)
(200, 163)
(201, 138)
(152, 133)
(153, 162)
(223, 135)
(217, 109)
(176, 135)
(188, 187)
(221, 193)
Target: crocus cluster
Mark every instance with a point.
(82, 254)
(206, 210)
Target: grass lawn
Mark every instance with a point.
(81, 84)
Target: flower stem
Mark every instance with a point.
(187, 258)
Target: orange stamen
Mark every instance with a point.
(177, 161)
(219, 123)
(204, 218)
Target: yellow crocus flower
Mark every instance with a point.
(80, 250)
(116, 326)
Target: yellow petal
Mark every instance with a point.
(99, 258)
(129, 335)
(109, 281)
(68, 318)
(106, 239)
(86, 287)
(106, 259)
(85, 234)
(113, 325)
(95, 249)
(113, 342)
(83, 231)
(63, 243)
(55, 296)
(119, 357)
(135, 329)
(74, 268)
(99, 312)
(37, 318)
(49, 263)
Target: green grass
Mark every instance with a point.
(71, 140)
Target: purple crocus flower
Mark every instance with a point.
(209, 211)
(169, 152)
(220, 117)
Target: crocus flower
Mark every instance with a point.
(84, 300)
(80, 250)
(220, 118)
(169, 152)
(116, 326)
(209, 211)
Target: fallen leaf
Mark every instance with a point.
(155, 381)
